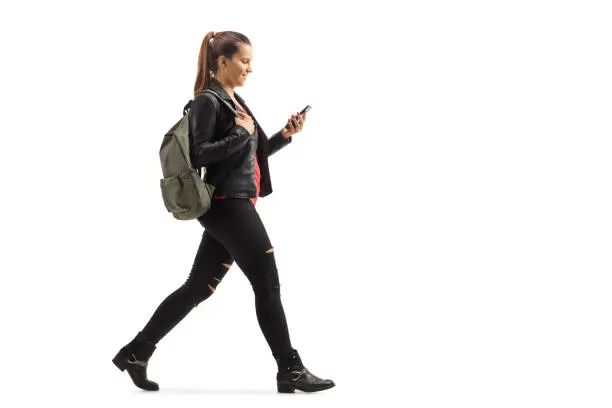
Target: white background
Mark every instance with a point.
(441, 225)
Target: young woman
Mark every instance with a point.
(235, 152)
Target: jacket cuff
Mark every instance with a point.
(277, 142)
(288, 139)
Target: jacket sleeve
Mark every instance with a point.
(202, 121)
(277, 142)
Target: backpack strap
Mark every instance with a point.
(188, 106)
(222, 100)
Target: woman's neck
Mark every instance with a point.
(229, 89)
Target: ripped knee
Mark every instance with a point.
(213, 285)
(203, 294)
(228, 264)
(217, 279)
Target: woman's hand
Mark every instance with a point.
(245, 121)
(294, 125)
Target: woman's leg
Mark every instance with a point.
(236, 224)
(210, 265)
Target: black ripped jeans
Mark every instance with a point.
(233, 231)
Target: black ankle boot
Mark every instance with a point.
(134, 357)
(292, 375)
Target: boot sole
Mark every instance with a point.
(288, 388)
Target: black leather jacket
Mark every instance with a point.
(226, 149)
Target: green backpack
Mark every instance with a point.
(183, 189)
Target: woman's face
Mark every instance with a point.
(235, 71)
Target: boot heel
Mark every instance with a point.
(285, 387)
(120, 362)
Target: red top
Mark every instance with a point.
(257, 172)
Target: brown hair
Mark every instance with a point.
(224, 43)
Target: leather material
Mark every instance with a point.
(303, 380)
(292, 375)
(227, 150)
(134, 357)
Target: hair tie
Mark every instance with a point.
(214, 33)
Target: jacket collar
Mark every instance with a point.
(216, 86)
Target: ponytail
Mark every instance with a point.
(203, 74)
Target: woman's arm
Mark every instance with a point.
(277, 142)
(202, 122)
